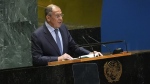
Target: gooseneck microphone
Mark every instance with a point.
(89, 45)
(101, 44)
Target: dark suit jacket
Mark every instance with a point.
(44, 48)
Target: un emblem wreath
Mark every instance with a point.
(112, 71)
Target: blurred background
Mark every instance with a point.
(77, 13)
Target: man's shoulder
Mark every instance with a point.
(63, 25)
(39, 29)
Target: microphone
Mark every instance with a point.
(89, 45)
(112, 42)
(101, 44)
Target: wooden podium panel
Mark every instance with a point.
(88, 59)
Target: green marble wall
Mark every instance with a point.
(18, 19)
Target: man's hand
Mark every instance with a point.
(65, 57)
(96, 53)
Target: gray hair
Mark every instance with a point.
(49, 9)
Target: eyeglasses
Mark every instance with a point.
(59, 15)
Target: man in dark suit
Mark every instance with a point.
(52, 41)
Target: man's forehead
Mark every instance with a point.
(56, 10)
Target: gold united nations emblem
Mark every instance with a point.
(112, 71)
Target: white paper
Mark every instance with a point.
(90, 55)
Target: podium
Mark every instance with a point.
(85, 73)
(88, 59)
(124, 68)
(87, 70)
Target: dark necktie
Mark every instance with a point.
(58, 41)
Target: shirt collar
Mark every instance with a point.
(50, 28)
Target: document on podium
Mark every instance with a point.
(85, 56)
(90, 55)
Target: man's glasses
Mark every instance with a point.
(59, 15)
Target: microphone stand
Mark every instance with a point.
(89, 45)
(126, 46)
(98, 43)
(101, 44)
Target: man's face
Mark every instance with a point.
(55, 19)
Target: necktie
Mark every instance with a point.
(58, 41)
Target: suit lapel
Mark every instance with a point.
(50, 39)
